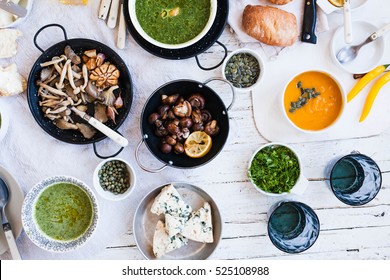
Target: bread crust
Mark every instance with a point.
(280, 2)
(270, 25)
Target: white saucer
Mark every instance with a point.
(369, 56)
(13, 209)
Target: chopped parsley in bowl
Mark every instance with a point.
(274, 169)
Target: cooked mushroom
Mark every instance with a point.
(161, 131)
(186, 122)
(169, 100)
(173, 128)
(196, 116)
(108, 96)
(82, 108)
(51, 90)
(53, 61)
(205, 115)
(76, 90)
(197, 101)
(70, 93)
(85, 77)
(178, 148)
(60, 84)
(100, 113)
(153, 118)
(211, 128)
(70, 54)
(170, 140)
(183, 109)
(87, 130)
(111, 112)
(185, 132)
(92, 90)
(163, 111)
(166, 148)
(46, 73)
(62, 124)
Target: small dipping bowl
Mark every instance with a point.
(16, 20)
(228, 75)
(4, 121)
(300, 184)
(107, 194)
(320, 113)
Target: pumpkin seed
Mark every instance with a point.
(242, 70)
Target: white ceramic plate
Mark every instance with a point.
(145, 223)
(368, 57)
(30, 226)
(13, 209)
(26, 4)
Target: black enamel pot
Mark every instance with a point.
(185, 88)
(79, 46)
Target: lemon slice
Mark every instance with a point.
(337, 3)
(198, 144)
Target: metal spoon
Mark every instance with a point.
(349, 53)
(4, 197)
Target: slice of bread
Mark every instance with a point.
(8, 45)
(11, 82)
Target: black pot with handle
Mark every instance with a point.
(214, 105)
(79, 45)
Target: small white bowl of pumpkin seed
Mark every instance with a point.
(114, 179)
(244, 69)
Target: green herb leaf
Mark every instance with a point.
(274, 169)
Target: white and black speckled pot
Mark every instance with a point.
(36, 235)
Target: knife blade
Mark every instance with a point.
(13, 8)
(309, 22)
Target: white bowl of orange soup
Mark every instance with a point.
(313, 101)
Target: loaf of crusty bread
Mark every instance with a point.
(280, 2)
(270, 25)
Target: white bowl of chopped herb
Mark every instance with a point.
(114, 179)
(275, 169)
(244, 68)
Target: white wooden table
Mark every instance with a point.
(31, 155)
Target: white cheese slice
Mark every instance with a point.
(163, 244)
(11, 82)
(170, 202)
(199, 226)
(174, 224)
(8, 45)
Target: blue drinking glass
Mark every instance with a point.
(355, 179)
(293, 227)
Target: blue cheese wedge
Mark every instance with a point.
(170, 202)
(174, 224)
(163, 244)
(199, 226)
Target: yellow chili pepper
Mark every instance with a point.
(372, 95)
(365, 80)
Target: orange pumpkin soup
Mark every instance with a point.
(313, 101)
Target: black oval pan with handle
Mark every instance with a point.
(79, 46)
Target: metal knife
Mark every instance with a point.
(13, 8)
(309, 22)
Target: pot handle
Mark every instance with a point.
(43, 28)
(219, 64)
(106, 157)
(139, 162)
(230, 85)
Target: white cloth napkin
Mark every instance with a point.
(296, 7)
